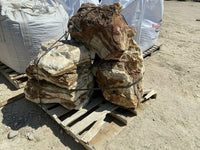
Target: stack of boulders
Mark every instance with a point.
(106, 33)
(54, 76)
(117, 65)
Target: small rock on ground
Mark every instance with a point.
(12, 134)
(30, 136)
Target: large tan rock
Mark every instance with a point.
(70, 79)
(45, 92)
(102, 29)
(120, 74)
(53, 76)
(62, 57)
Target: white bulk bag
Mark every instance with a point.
(24, 25)
(145, 16)
(72, 6)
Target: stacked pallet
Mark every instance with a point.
(54, 76)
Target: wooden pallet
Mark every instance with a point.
(151, 50)
(16, 79)
(96, 123)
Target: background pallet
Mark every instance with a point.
(151, 50)
(16, 79)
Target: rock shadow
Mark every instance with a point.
(23, 113)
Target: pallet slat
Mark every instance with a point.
(94, 130)
(149, 94)
(59, 111)
(13, 74)
(106, 134)
(94, 116)
(19, 76)
(120, 117)
(16, 79)
(151, 50)
(82, 111)
(78, 138)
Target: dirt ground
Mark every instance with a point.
(172, 121)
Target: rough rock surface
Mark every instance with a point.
(45, 92)
(120, 74)
(54, 75)
(70, 80)
(62, 58)
(102, 29)
(105, 32)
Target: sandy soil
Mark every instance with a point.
(172, 121)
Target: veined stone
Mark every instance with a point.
(127, 70)
(53, 76)
(102, 29)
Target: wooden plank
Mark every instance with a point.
(14, 82)
(122, 118)
(105, 135)
(93, 130)
(19, 76)
(81, 112)
(58, 111)
(13, 74)
(54, 117)
(94, 116)
(150, 94)
(10, 100)
(146, 91)
(78, 138)
(151, 50)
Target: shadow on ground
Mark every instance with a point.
(23, 113)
